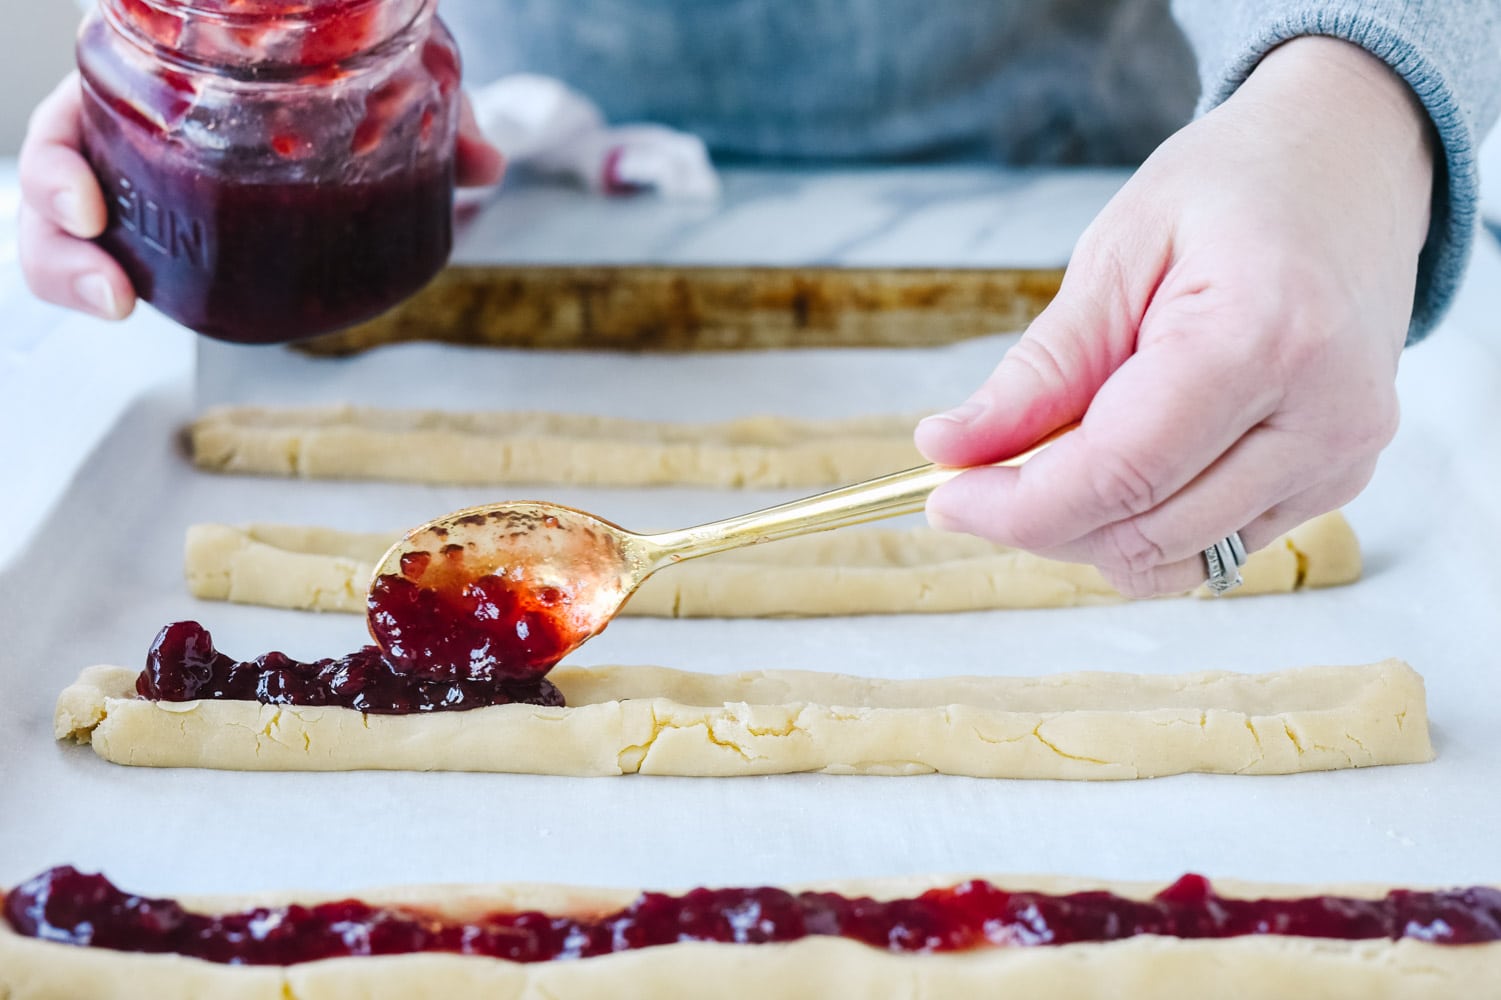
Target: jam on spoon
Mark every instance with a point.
(441, 620)
(66, 906)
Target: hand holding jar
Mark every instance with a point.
(258, 171)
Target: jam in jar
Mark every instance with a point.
(273, 169)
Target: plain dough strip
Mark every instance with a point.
(434, 446)
(654, 720)
(871, 571)
(1265, 967)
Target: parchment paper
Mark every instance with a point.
(103, 573)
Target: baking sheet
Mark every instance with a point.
(103, 573)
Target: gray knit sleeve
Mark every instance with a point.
(1448, 51)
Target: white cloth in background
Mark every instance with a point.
(540, 123)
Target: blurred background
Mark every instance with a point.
(36, 49)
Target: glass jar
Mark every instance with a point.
(273, 169)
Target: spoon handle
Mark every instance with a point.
(903, 492)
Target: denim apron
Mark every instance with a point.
(1021, 81)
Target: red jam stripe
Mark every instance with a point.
(69, 907)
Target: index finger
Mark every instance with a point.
(1159, 421)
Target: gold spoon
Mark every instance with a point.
(577, 569)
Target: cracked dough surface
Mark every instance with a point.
(654, 720)
(1248, 968)
(871, 571)
(434, 446)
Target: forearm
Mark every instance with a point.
(1445, 54)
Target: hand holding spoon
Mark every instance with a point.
(504, 591)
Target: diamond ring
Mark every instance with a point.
(1224, 559)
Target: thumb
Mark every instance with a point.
(1047, 378)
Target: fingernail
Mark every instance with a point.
(964, 413)
(96, 293)
(66, 212)
(942, 522)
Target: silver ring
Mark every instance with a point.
(1224, 559)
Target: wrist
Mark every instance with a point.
(1328, 94)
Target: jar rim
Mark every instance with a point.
(212, 22)
(248, 12)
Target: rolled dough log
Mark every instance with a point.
(871, 571)
(653, 720)
(432, 446)
(1265, 967)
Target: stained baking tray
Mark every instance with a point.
(895, 257)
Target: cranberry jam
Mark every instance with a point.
(67, 906)
(268, 262)
(183, 665)
(437, 621)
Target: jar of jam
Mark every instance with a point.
(273, 169)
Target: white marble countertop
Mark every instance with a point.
(935, 216)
